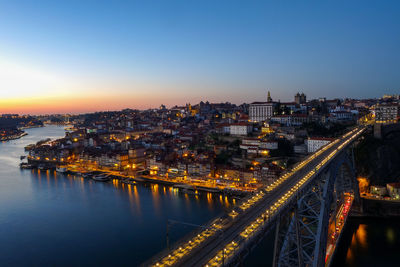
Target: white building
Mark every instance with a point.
(315, 143)
(251, 141)
(255, 145)
(240, 128)
(291, 120)
(261, 111)
(270, 145)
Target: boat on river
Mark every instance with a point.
(43, 167)
(101, 177)
(61, 169)
(25, 166)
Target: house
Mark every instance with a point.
(315, 143)
(394, 190)
(241, 128)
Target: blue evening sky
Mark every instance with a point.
(186, 50)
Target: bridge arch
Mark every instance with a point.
(303, 233)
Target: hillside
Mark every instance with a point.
(379, 159)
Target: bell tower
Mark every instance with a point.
(269, 99)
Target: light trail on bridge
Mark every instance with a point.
(220, 241)
(336, 226)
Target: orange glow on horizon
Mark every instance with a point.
(32, 89)
(70, 104)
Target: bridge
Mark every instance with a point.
(307, 207)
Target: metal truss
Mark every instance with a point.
(301, 233)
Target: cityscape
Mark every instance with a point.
(224, 146)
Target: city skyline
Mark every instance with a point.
(78, 57)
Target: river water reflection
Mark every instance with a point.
(369, 242)
(64, 220)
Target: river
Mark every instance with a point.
(50, 219)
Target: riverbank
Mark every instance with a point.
(13, 137)
(191, 188)
(30, 127)
(191, 184)
(377, 208)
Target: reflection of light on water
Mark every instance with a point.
(349, 255)
(156, 198)
(227, 204)
(137, 199)
(361, 236)
(390, 235)
(209, 198)
(136, 194)
(154, 188)
(131, 201)
(38, 176)
(48, 178)
(80, 181)
(358, 240)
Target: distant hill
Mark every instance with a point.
(13, 123)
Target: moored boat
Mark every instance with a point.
(101, 178)
(42, 167)
(61, 169)
(25, 166)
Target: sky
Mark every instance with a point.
(82, 56)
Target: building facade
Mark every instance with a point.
(386, 113)
(240, 128)
(261, 111)
(315, 143)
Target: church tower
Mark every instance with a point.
(269, 99)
